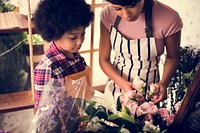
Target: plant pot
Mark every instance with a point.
(37, 49)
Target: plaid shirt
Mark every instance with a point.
(54, 66)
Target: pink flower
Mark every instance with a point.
(130, 95)
(153, 109)
(148, 117)
(123, 100)
(143, 109)
(138, 82)
(151, 103)
(170, 119)
(133, 106)
(177, 106)
(154, 88)
(110, 123)
(163, 112)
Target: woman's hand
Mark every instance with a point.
(128, 86)
(160, 95)
(172, 60)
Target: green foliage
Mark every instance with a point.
(189, 64)
(190, 59)
(5, 7)
(12, 63)
(36, 39)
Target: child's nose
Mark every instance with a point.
(80, 41)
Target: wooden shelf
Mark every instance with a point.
(13, 22)
(16, 101)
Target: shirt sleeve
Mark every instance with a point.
(104, 15)
(41, 77)
(174, 25)
(108, 16)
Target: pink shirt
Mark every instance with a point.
(165, 22)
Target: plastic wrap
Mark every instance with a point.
(60, 106)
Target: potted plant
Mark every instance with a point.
(37, 41)
(6, 7)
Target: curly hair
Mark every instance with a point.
(124, 2)
(53, 18)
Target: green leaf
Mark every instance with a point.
(141, 90)
(86, 118)
(126, 110)
(126, 117)
(101, 113)
(90, 109)
(123, 116)
(113, 117)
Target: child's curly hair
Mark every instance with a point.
(55, 17)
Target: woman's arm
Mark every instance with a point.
(105, 63)
(171, 63)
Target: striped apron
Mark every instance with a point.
(133, 57)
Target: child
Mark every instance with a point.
(63, 24)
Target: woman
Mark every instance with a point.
(138, 31)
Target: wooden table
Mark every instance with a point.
(16, 101)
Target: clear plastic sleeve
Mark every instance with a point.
(60, 106)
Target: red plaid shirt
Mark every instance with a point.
(54, 66)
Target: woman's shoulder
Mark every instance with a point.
(108, 15)
(163, 9)
(166, 20)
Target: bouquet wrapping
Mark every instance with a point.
(60, 106)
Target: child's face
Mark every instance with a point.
(71, 41)
(129, 13)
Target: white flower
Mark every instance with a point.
(154, 88)
(124, 130)
(149, 127)
(94, 125)
(104, 100)
(139, 84)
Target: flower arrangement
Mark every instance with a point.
(57, 111)
(126, 115)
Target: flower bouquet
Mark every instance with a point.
(125, 115)
(59, 111)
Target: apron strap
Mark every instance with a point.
(148, 17)
(117, 20)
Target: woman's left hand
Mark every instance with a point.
(160, 95)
